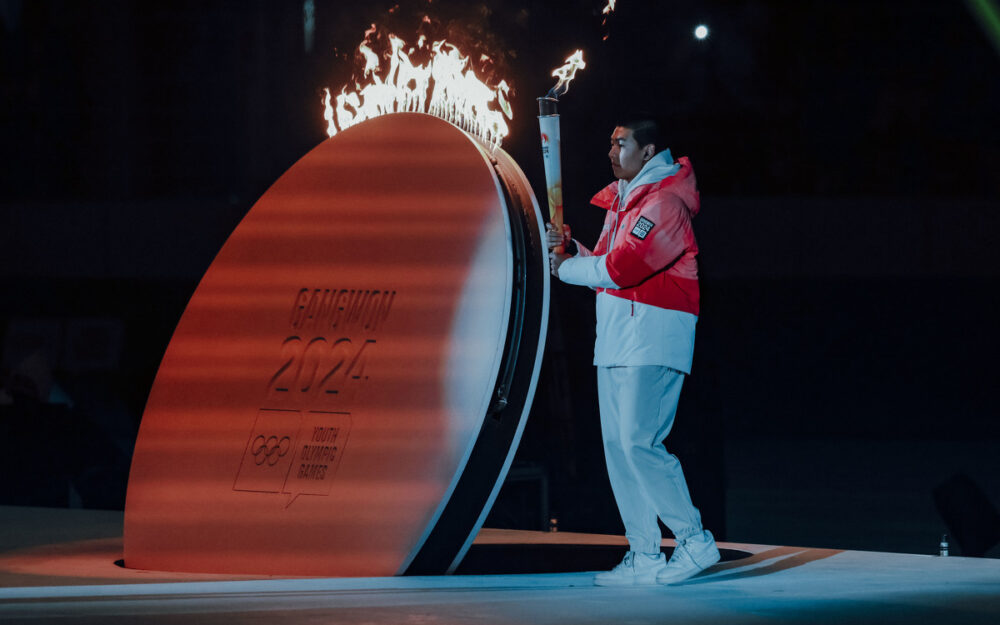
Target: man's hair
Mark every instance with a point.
(646, 129)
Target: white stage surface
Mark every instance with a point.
(59, 566)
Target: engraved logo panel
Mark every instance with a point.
(320, 447)
(301, 430)
(268, 454)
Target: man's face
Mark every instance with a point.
(627, 156)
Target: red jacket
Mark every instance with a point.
(653, 254)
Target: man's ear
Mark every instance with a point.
(648, 151)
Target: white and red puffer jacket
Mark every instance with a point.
(644, 268)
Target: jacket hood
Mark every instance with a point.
(660, 173)
(654, 170)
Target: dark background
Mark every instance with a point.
(847, 157)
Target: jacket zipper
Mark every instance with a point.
(614, 232)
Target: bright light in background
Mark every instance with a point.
(987, 14)
(309, 23)
(701, 31)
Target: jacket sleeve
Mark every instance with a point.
(586, 268)
(636, 257)
(586, 271)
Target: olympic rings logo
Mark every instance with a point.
(269, 449)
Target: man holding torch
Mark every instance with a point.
(645, 274)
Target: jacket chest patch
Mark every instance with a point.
(642, 228)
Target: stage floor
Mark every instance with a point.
(58, 566)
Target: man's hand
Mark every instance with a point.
(555, 260)
(553, 239)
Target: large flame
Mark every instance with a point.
(445, 87)
(566, 73)
(609, 8)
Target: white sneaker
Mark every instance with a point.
(636, 569)
(691, 556)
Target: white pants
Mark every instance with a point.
(638, 405)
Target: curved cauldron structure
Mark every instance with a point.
(349, 382)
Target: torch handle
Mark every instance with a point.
(556, 213)
(548, 125)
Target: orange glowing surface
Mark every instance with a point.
(331, 371)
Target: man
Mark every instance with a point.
(645, 274)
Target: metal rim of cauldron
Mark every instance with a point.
(473, 496)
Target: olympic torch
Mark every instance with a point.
(548, 125)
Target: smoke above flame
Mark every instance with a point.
(444, 86)
(566, 73)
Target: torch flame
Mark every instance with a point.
(445, 87)
(606, 12)
(566, 73)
